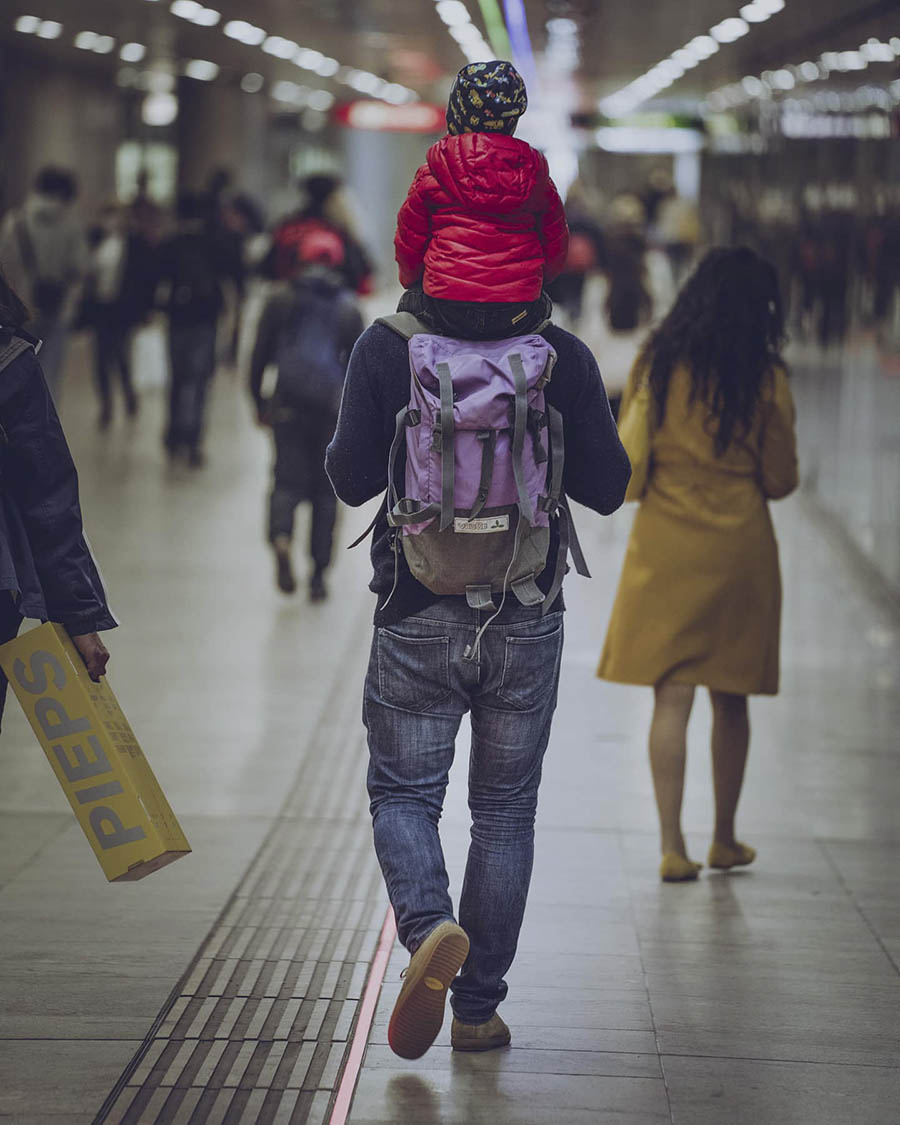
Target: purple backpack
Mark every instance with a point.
(484, 467)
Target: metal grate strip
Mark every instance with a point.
(258, 1027)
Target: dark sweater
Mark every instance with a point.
(596, 468)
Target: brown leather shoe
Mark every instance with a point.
(479, 1036)
(419, 1010)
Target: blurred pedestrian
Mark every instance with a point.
(708, 420)
(193, 265)
(45, 254)
(325, 207)
(46, 568)
(309, 331)
(482, 228)
(117, 298)
(146, 218)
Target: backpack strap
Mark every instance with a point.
(448, 441)
(488, 438)
(558, 448)
(404, 324)
(520, 425)
(12, 350)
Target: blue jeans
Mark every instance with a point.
(418, 688)
(192, 354)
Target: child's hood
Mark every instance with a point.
(488, 172)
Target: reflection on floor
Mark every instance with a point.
(769, 995)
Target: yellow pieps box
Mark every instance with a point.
(94, 754)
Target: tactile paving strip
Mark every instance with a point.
(257, 1029)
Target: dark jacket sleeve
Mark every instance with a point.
(356, 459)
(40, 478)
(597, 469)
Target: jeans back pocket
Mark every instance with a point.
(531, 669)
(413, 672)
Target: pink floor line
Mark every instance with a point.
(364, 1022)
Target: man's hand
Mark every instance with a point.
(94, 654)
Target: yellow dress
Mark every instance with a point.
(699, 599)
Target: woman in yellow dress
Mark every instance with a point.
(699, 600)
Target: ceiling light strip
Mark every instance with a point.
(701, 47)
(752, 87)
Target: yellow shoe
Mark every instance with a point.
(677, 868)
(479, 1036)
(419, 1010)
(723, 856)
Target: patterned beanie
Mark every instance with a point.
(487, 97)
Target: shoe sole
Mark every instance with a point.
(484, 1045)
(419, 1011)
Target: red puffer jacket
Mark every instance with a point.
(482, 222)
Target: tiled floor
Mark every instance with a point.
(766, 996)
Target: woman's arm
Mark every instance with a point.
(778, 469)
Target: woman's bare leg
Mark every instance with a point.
(668, 753)
(730, 741)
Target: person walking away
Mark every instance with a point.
(325, 208)
(629, 305)
(46, 568)
(117, 298)
(699, 600)
(437, 655)
(192, 265)
(308, 331)
(482, 228)
(44, 251)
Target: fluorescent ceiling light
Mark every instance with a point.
(770, 6)
(809, 71)
(851, 60)
(85, 40)
(703, 46)
(159, 110)
(252, 83)
(28, 25)
(308, 59)
(686, 58)
(280, 47)
(290, 92)
(244, 32)
(201, 69)
(49, 29)
(874, 51)
(185, 9)
(207, 17)
(755, 13)
(753, 86)
(328, 67)
(132, 52)
(783, 80)
(453, 12)
(104, 44)
(627, 138)
(321, 100)
(729, 30)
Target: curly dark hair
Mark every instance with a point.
(727, 327)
